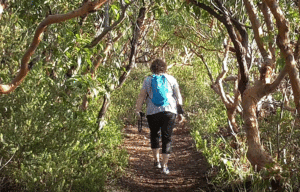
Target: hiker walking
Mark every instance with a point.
(164, 103)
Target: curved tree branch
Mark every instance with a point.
(267, 72)
(206, 65)
(208, 9)
(271, 87)
(240, 54)
(134, 41)
(268, 19)
(230, 104)
(256, 28)
(283, 42)
(239, 47)
(88, 7)
(108, 29)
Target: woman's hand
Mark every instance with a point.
(137, 113)
(180, 118)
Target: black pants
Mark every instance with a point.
(165, 122)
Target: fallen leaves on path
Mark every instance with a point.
(187, 165)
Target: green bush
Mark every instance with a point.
(52, 143)
(230, 169)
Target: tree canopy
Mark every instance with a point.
(63, 64)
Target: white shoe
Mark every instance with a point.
(166, 170)
(157, 165)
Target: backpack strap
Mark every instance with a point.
(148, 80)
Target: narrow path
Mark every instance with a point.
(187, 166)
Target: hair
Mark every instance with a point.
(158, 66)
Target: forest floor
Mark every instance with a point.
(187, 166)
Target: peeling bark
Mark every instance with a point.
(256, 153)
(86, 8)
(283, 42)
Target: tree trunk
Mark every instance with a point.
(106, 98)
(250, 95)
(101, 116)
(283, 42)
(134, 41)
(256, 153)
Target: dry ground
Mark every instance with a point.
(187, 165)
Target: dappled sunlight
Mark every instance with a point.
(187, 165)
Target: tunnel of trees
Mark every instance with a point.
(70, 73)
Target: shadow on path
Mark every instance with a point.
(187, 165)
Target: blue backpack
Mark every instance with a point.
(159, 84)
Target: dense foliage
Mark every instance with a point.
(50, 137)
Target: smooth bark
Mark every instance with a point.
(86, 8)
(270, 27)
(283, 42)
(134, 42)
(256, 154)
(102, 112)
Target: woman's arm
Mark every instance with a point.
(140, 100)
(177, 94)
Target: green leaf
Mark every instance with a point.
(187, 8)
(169, 8)
(197, 10)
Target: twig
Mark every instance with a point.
(107, 29)
(7, 162)
(206, 65)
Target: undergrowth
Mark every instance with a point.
(47, 143)
(230, 170)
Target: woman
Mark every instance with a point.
(161, 113)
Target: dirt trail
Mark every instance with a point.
(187, 166)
